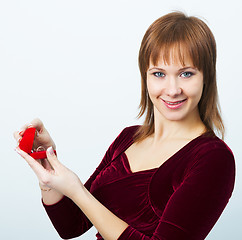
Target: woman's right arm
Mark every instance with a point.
(68, 220)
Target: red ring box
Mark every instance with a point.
(26, 144)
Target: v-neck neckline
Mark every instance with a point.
(177, 153)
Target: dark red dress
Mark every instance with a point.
(180, 200)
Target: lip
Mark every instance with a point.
(174, 104)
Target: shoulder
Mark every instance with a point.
(130, 131)
(127, 133)
(206, 144)
(124, 138)
(210, 151)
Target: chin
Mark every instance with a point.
(174, 118)
(180, 115)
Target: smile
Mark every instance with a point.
(174, 105)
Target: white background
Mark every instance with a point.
(74, 65)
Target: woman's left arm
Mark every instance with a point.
(197, 202)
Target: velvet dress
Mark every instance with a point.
(180, 200)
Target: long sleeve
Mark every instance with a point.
(68, 220)
(196, 204)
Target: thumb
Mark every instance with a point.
(52, 158)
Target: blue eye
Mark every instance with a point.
(187, 74)
(159, 74)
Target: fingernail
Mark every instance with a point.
(18, 140)
(50, 150)
(30, 125)
(21, 133)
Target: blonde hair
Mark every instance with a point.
(177, 31)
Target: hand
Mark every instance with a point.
(42, 138)
(59, 177)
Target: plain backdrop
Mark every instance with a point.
(74, 65)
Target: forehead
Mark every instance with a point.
(178, 55)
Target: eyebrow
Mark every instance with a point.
(181, 69)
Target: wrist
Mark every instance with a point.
(51, 197)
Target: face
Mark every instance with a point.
(175, 90)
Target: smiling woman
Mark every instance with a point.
(168, 179)
(175, 38)
(175, 90)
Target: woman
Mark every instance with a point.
(168, 179)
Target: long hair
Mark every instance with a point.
(177, 31)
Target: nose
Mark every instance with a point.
(172, 88)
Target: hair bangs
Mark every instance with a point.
(176, 49)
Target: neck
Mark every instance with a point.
(189, 127)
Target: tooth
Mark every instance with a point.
(174, 103)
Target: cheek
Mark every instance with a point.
(154, 88)
(195, 91)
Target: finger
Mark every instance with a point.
(23, 128)
(37, 168)
(17, 136)
(20, 133)
(52, 158)
(38, 124)
(46, 164)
